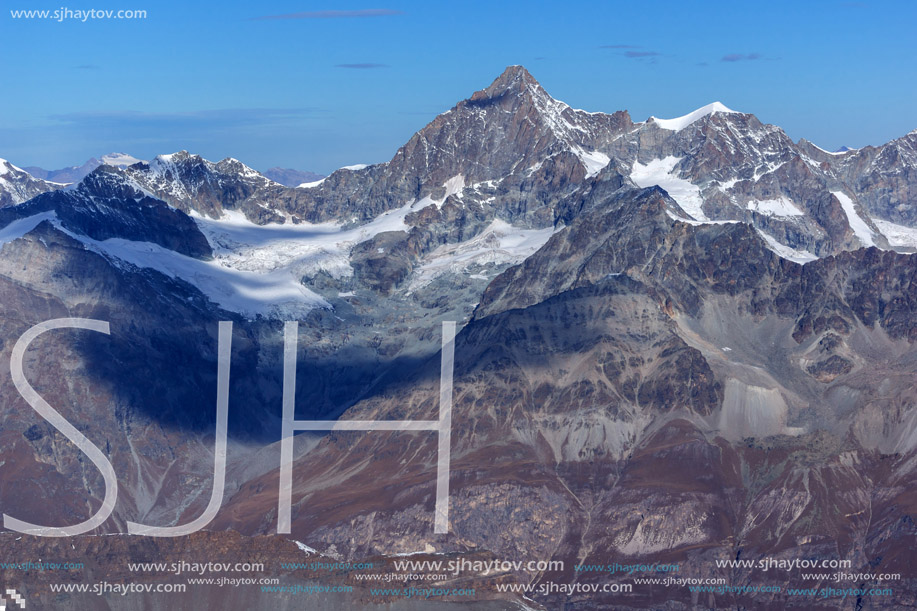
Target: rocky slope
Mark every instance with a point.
(107, 206)
(681, 341)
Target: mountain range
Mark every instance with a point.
(291, 178)
(683, 340)
(73, 174)
(77, 173)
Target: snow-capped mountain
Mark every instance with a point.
(190, 182)
(77, 173)
(728, 166)
(679, 123)
(883, 178)
(491, 149)
(17, 185)
(512, 157)
(688, 337)
(513, 152)
(119, 160)
(108, 205)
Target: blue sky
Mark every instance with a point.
(321, 85)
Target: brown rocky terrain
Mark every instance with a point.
(656, 378)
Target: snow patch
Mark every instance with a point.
(681, 219)
(897, 235)
(594, 162)
(119, 160)
(299, 250)
(784, 251)
(781, 206)
(682, 122)
(305, 548)
(659, 173)
(831, 152)
(454, 186)
(309, 185)
(275, 294)
(860, 228)
(427, 549)
(20, 227)
(500, 243)
(773, 166)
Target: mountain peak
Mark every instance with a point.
(6, 167)
(513, 74)
(231, 165)
(173, 157)
(682, 122)
(515, 79)
(121, 160)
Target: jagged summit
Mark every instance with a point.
(227, 164)
(18, 185)
(512, 151)
(514, 72)
(176, 156)
(190, 182)
(183, 157)
(515, 79)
